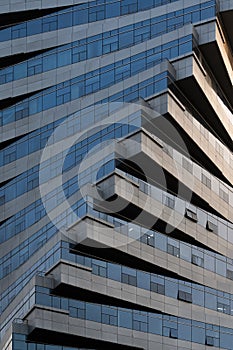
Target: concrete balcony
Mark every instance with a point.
(195, 83)
(152, 212)
(226, 8)
(69, 278)
(214, 46)
(203, 146)
(167, 171)
(66, 329)
(92, 232)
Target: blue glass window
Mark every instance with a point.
(198, 333)
(125, 40)
(93, 312)
(210, 300)
(125, 319)
(114, 272)
(155, 325)
(113, 9)
(64, 20)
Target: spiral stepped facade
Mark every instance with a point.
(133, 250)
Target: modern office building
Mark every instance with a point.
(116, 220)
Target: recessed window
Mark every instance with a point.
(187, 165)
(129, 279)
(185, 296)
(191, 215)
(224, 308)
(209, 341)
(173, 333)
(148, 239)
(230, 274)
(99, 270)
(223, 195)
(157, 288)
(212, 227)
(197, 260)
(173, 250)
(169, 202)
(205, 180)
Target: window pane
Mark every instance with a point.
(155, 325)
(114, 272)
(125, 319)
(93, 312)
(143, 280)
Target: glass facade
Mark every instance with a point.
(20, 342)
(94, 47)
(87, 13)
(76, 88)
(147, 322)
(61, 73)
(201, 295)
(201, 257)
(92, 11)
